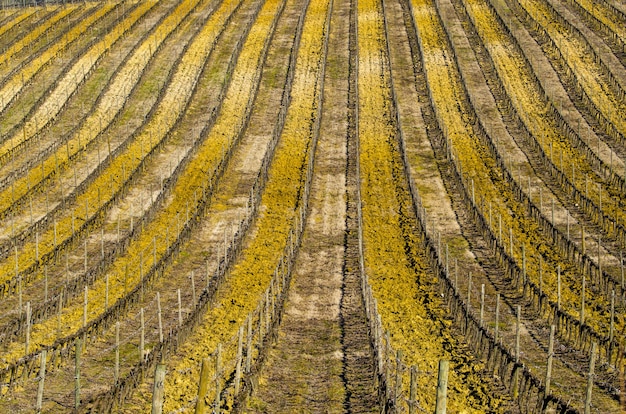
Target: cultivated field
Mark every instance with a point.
(270, 206)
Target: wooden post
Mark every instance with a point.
(117, 352)
(28, 324)
(125, 277)
(550, 356)
(599, 259)
(158, 298)
(523, 264)
(482, 303)
(77, 348)
(19, 285)
(442, 387)
(621, 266)
(582, 237)
(249, 345)
(142, 337)
(180, 309)
(611, 326)
(592, 362)
(67, 267)
(413, 390)
(239, 361)
(42, 378)
(582, 303)
(540, 276)
(398, 382)
(203, 387)
(386, 347)
(518, 311)
(141, 274)
(273, 294)
(158, 389)
(59, 309)
(268, 314)
(218, 375)
(438, 245)
(261, 323)
(85, 303)
(558, 287)
(497, 327)
(456, 274)
(19, 293)
(469, 290)
(193, 289)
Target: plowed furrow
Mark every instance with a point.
(359, 370)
